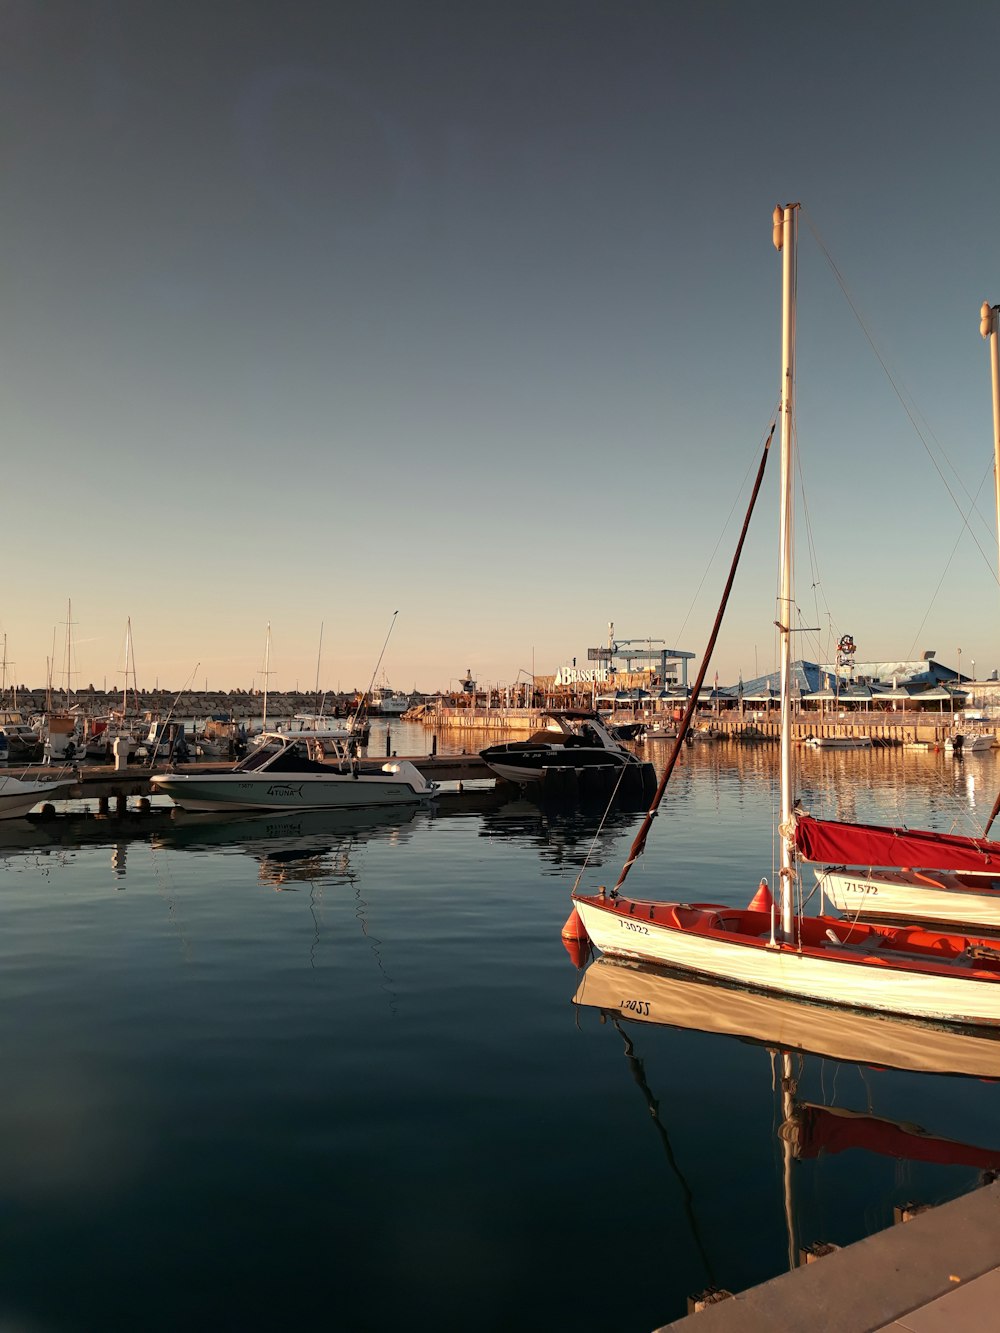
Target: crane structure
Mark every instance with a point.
(628, 651)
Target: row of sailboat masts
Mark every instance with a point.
(3, 681)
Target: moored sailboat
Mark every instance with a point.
(911, 970)
(868, 872)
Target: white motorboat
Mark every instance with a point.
(839, 742)
(23, 742)
(660, 731)
(386, 703)
(105, 732)
(279, 774)
(18, 798)
(970, 742)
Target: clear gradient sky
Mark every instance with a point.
(317, 311)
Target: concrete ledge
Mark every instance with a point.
(876, 1281)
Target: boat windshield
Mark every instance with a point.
(261, 756)
(280, 754)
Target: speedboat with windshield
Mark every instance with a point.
(284, 772)
(571, 738)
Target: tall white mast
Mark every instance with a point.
(319, 658)
(785, 220)
(988, 328)
(788, 1157)
(69, 647)
(267, 659)
(128, 654)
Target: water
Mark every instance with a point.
(331, 1072)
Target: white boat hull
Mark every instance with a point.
(839, 742)
(307, 791)
(983, 741)
(19, 798)
(902, 895)
(834, 976)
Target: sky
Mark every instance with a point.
(317, 313)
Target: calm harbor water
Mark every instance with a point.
(330, 1070)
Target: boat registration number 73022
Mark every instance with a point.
(633, 926)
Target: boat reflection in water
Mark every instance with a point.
(651, 995)
(799, 1038)
(563, 837)
(289, 848)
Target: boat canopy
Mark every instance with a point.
(879, 845)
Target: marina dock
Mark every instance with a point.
(940, 1270)
(101, 782)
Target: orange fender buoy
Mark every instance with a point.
(575, 939)
(762, 901)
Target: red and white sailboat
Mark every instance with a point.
(909, 969)
(868, 873)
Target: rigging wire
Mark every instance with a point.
(959, 812)
(158, 743)
(910, 413)
(639, 841)
(954, 552)
(816, 583)
(607, 810)
(364, 697)
(696, 598)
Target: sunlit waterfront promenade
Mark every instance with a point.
(911, 727)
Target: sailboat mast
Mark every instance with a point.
(69, 647)
(788, 1158)
(128, 654)
(267, 673)
(988, 328)
(785, 220)
(319, 658)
